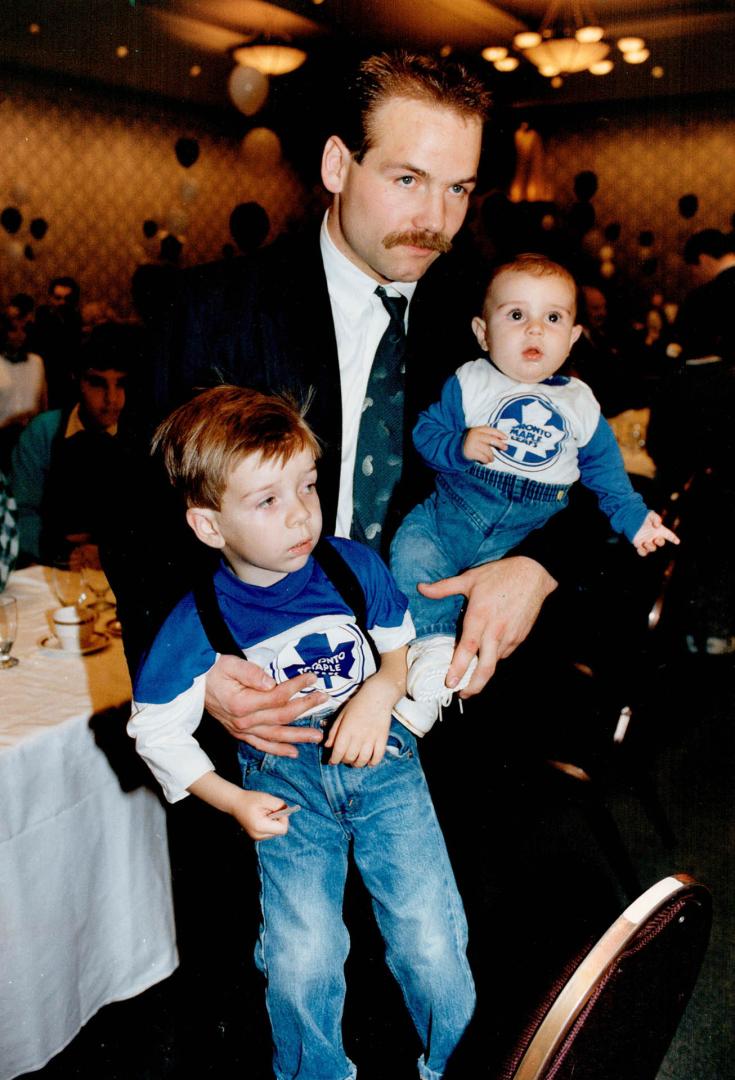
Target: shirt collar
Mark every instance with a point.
(349, 286)
(74, 424)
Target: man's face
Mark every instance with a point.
(60, 296)
(528, 325)
(270, 517)
(395, 212)
(596, 305)
(102, 397)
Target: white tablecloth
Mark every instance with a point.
(86, 914)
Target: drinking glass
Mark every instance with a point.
(8, 630)
(95, 583)
(67, 582)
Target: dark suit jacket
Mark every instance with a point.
(266, 322)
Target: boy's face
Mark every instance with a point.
(528, 325)
(269, 520)
(102, 397)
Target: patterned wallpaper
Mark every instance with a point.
(645, 162)
(96, 167)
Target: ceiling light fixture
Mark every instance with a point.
(568, 40)
(269, 57)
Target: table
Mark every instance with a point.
(86, 913)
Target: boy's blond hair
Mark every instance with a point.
(203, 440)
(530, 262)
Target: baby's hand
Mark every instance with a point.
(479, 441)
(653, 534)
(253, 810)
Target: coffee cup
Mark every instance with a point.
(73, 627)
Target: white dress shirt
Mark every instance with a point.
(360, 320)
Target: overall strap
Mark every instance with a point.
(336, 569)
(346, 582)
(217, 631)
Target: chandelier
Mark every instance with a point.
(568, 40)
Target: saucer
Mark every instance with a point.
(99, 641)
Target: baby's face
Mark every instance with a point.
(527, 325)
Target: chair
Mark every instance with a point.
(614, 1011)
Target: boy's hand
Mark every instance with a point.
(653, 534)
(479, 442)
(251, 809)
(360, 732)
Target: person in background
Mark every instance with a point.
(8, 531)
(56, 336)
(704, 325)
(23, 392)
(66, 463)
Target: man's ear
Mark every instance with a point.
(479, 328)
(336, 161)
(203, 521)
(576, 331)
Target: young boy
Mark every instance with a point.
(245, 465)
(508, 439)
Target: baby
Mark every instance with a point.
(508, 439)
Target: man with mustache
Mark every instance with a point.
(303, 316)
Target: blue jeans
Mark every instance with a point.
(472, 518)
(386, 816)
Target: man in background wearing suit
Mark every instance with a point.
(303, 316)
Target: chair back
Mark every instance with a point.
(615, 1012)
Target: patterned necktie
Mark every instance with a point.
(380, 440)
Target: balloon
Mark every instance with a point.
(29, 253)
(582, 217)
(38, 228)
(261, 148)
(688, 206)
(585, 185)
(248, 89)
(11, 219)
(150, 228)
(187, 152)
(612, 232)
(645, 239)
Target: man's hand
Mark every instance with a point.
(505, 598)
(254, 708)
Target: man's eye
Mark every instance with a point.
(458, 189)
(406, 181)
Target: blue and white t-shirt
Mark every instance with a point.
(556, 435)
(299, 624)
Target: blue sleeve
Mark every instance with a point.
(30, 466)
(385, 604)
(180, 652)
(440, 431)
(602, 471)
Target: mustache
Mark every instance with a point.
(422, 238)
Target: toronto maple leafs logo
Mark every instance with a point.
(536, 431)
(336, 656)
